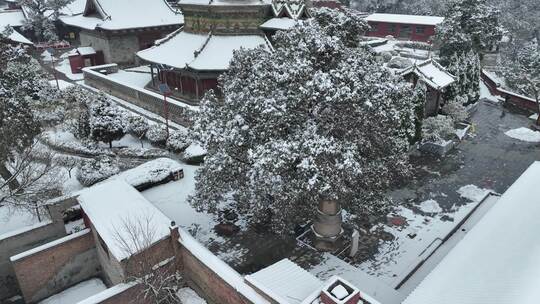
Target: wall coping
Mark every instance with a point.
(22, 230)
(220, 268)
(108, 293)
(49, 245)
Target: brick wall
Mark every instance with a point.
(20, 241)
(207, 283)
(55, 266)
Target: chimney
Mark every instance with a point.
(339, 291)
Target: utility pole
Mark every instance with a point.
(51, 51)
(166, 91)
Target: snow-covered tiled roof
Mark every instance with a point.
(86, 50)
(285, 282)
(498, 261)
(125, 14)
(224, 2)
(199, 52)
(405, 19)
(13, 18)
(113, 204)
(432, 73)
(283, 23)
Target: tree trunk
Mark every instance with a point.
(6, 175)
(110, 144)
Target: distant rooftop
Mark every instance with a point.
(405, 19)
(124, 14)
(113, 204)
(199, 52)
(432, 73)
(498, 261)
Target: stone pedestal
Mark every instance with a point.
(327, 225)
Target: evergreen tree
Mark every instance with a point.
(522, 73)
(466, 68)
(419, 100)
(312, 120)
(41, 15)
(468, 25)
(347, 25)
(20, 80)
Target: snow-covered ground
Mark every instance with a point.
(189, 296)
(171, 199)
(13, 219)
(486, 94)
(61, 83)
(64, 68)
(137, 79)
(419, 237)
(76, 293)
(524, 134)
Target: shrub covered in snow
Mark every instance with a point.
(386, 56)
(138, 126)
(399, 63)
(414, 45)
(437, 129)
(108, 122)
(153, 172)
(178, 141)
(97, 169)
(157, 134)
(142, 152)
(194, 154)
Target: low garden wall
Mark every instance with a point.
(50, 268)
(511, 98)
(18, 241)
(212, 278)
(96, 77)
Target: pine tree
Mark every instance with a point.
(466, 68)
(522, 73)
(347, 25)
(20, 80)
(468, 25)
(312, 120)
(41, 15)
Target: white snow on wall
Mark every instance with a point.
(49, 245)
(107, 293)
(498, 261)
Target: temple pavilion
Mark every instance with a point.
(191, 59)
